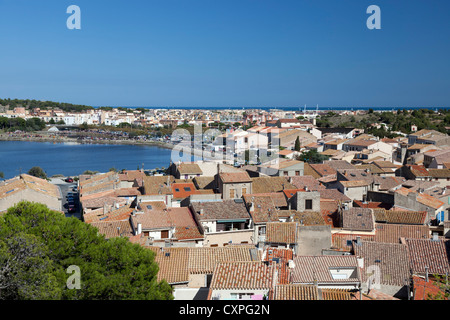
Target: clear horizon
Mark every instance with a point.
(227, 54)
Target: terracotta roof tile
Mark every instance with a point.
(235, 177)
(302, 182)
(242, 275)
(204, 259)
(112, 229)
(189, 168)
(391, 233)
(296, 292)
(281, 232)
(391, 259)
(429, 253)
(220, 210)
(400, 216)
(310, 268)
(270, 184)
(358, 219)
(423, 290)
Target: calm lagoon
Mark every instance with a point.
(72, 159)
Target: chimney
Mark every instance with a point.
(360, 262)
(435, 236)
(358, 240)
(139, 228)
(201, 212)
(291, 264)
(118, 230)
(426, 274)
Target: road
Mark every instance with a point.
(66, 188)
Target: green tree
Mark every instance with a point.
(52, 121)
(38, 245)
(2, 175)
(297, 144)
(37, 172)
(83, 126)
(312, 156)
(26, 273)
(89, 172)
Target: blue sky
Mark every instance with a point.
(240, 53)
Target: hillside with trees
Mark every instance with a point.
(44, 105)
(401, 121)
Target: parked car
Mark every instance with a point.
(69, 179)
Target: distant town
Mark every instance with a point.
(268, 204)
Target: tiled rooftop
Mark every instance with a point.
(358, 219)
(391, 259)
(220, 210)
(243, 275)
(429, 253)
(281, 232)
(317, 268)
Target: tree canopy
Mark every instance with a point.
(37, 246)
(29, 104)
(312, 156)
(37, 172)
(297, 144)
(13, 124)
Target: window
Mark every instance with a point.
(187, 188)
(297, 173)
(164, 234)
(286, 173)
(262, 231)
(308, 204)
(241, 296)
(244, 191)
(232, 193)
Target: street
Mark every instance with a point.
(66, 188)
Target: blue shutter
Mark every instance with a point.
(440, 216)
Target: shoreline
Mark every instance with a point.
(35, 137)
(32, 138)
